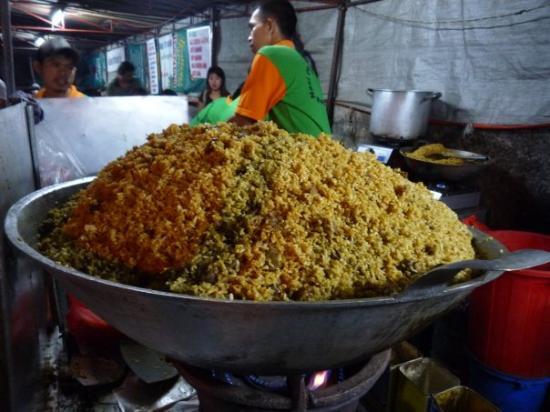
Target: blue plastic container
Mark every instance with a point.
(509, 393)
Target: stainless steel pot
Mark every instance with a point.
(243, 336)
(400, 114)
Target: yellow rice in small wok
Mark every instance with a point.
(432, 153)
(256, 213)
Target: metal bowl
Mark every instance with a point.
(442, 172)
(241, 336)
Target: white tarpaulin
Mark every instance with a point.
(490, 59)
(317, 30)
(235, 56)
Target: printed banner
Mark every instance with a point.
(180, 57)
(183, 81)
(166, 52)
(136, 55)
(200, 51)
(100, 69)
(153, 66)
(114, 58)
(92, 72)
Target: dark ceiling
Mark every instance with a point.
(91, 24)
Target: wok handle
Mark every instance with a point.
(430, 284)
(434, 289)
(437, 280)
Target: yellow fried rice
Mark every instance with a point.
(255, 213)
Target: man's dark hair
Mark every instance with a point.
(283, 13)
(56, 46)
(126, 67)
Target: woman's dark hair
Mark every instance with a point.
(216, 70)
(223, 91)
(284, 14)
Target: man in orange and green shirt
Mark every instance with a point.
(281, 85)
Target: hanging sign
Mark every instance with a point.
(153, 66)
(114, 58)
(136, 55)
(166, 52)
(200, 51)
(100, 69)
(180, 56)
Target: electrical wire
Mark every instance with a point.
(427, 24)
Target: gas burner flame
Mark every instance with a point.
(318, 380)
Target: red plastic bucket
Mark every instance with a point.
(509, 319)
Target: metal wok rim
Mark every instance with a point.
(12, 233)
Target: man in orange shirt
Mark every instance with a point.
(55, 62)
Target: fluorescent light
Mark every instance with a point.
(58, 18)
(39, 41)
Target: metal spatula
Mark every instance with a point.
(149, 365)
(438, 278)
(462, 154)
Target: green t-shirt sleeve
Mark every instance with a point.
(201, 117)
(220, 110)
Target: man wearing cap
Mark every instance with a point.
(55, 62)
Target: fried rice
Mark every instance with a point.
(254, 213)
(433, 153)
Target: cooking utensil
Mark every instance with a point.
(137, 395)
(400, 115)
(436, 171)
(438, 278)
(149, 365)
(242, 336)
(462, 154)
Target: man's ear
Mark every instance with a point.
(271, 25)
(37, 67)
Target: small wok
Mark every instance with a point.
(244, 336)
(445, 172)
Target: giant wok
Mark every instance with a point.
(244, 336)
